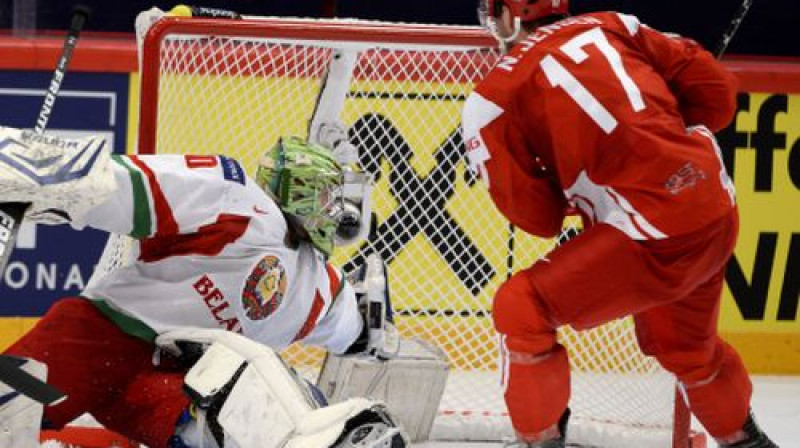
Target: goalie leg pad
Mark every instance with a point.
(20, 416)
(255, 399)
(59, 176)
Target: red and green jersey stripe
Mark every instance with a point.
(149, 201)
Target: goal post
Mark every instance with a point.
(234, 86)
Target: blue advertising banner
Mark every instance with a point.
(51, 262)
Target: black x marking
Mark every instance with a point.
(422, 200)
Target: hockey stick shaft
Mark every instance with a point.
(79, 18)
(11, 215)
(732, 28)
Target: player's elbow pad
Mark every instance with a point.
(707, 95)
(725, 115)
(545, 225)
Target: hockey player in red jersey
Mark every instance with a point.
(218, 259)
(607, 116)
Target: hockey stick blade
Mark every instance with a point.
(11, 373)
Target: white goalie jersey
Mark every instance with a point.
(211, 252)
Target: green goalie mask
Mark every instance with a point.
(306, 182)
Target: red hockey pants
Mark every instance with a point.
(672, 288)
(104, 372)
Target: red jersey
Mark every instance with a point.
(602, 113)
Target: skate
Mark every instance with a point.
(555, 443)
(755, 437)
(559, 442)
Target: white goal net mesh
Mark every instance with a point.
(230, 91)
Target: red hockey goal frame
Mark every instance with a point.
(311, 32)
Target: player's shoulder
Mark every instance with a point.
(266, 223)
(484, 104)
(626, 23)
(608, 20)
(503, 80)
(476, 107)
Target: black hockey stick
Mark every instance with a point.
(80, 15)
(11, 373)
(733, 26)
(11, 214)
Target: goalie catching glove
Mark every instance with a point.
(63, 178)
(245, 396)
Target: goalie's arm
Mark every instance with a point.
(80, 181)
(166, 195)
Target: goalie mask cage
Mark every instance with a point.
(233, 87)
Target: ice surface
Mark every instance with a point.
(776, 404)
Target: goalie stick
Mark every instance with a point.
(12, 213)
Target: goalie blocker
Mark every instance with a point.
(245, 396)
(63, 178)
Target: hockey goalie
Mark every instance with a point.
(176, 347)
